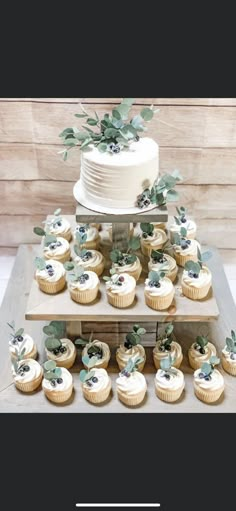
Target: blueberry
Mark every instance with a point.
(184, 245)
(157, 284)
(26, 368)
(94, 379)
(127, 345)
(22, 373)
(121, 278)
(52, 246)
(190, 273)
(151, 283)
(115, 148)
(53, 383)
(82, 279)
(86, 276)
(161, 347)
(146, 202)
(188, 241)
(201, 375)
(119, 283)
(137, 138)
(89, 383)
(62, 349)
(140, 204)
(56, 351)
(167, 376)
(14, 341)
(48, 266)
(82, 229)
(50, 273)
(145, 235)
(183, 220)
(59, 380)
(58, 243)
(19, 338)
(233, 356)
(89, 254)
(168, 347)
(195, 275)
(208, 378)
(59, 223)
(202, 351)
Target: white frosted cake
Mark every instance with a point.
(113, 181)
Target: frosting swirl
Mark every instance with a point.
(226, 354)
(131, 385)
(91, 283)
(27, 344)
(175, 351)
(170, 263)
(66, 383)
(202, 357)
(124, 354)
(57, 251)
(93, 261)
(92, 232)
(127, 267)
(190, 226)
(203, 279)
(32, 374)
(70, 349)
(54, 228)
(165, 288)
(128, 285)
(174, 382)
(101, 383)
(216, 381)
(190, 250)
(58, 271)
(158, 237)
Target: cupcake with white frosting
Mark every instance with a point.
(182, 221)
(120, 289)
(96, 384)
(127, 262)
(19, 340)
(131, 384)
(54, 247)
(87, 236)
(27, 373)
(169, 381)
(83, 284)
(57, 382)
(59, 226)
(167, 345)
(159, 290)
(91, 260)
(151, 238)
(158, 259)
(185, 249)
(229, 354)
(50, 275)
(97, 349)
(132, 348)
(208, 381)
(61, 350)
(201, 351)
(197, 278)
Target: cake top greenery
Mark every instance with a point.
(208, 367)
(55, 331)
(112, 133)
(166, 339)
(132, 366)
(133, 338)
(128, 257)
(231, 344)
(194, 268)
(162, 191)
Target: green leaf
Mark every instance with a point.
(49, 238)
(82, 375)
(80, 116)
(206, 368)
(166, 363)
(141, 331)
(69, 265)
(116, 255)
(65, 155)
(169, 329)
(214, 360)
(92, 362)
(49, 365)
(92, 122)
(79, 270)
(147, 227)
(172, 196)
(177, 221)
(65, 132)
(49, 330)
(86, 143)
(137, 122)
(206, 256)
(11, 325)
(19, 332)
(40, 263)
(102, 147)
(229, 344)
(147, 114)
(106, 278)
(111, 133)
(123, 110)
(39, 231)
(192, 266)
(116, 114)
(85, 360)
(57, 372)
(81, 136)
(154, 276)
(233, 335)
(57, 212)
(81, 342)
(202, 341)
(128, 101)
(70, 142)
(52, 343)
(60, 327)
(128, 131)
(49, 375)
(183, 232)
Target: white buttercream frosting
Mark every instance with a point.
(93, 261)
(170, 264)
(227, 354)
(175, 381)
(165, 288)
(65, 385)
(127, 286)
(175, 351)
(132, 384)
(116, 180)
(103, 380)
(58, 229)
(91, 283)
(70, 349)
(190, 226)
(203, 279)
(190, 250)
(127, 267)
(216, 381)
(105, 350)
(57, 251)
(27, 344)
(124, 354)
(91, 232)
(58, 268)
(157, 238)
(32, 374)
(202, 357)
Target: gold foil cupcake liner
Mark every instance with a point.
(51, 288)
(97, 397)
(120, 301)
(208, 396)
(86, 296)
(159, 302)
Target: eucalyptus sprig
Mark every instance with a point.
(81, 233)
(166, 364)
(181, 218)
(132, 365)
(113, 132)
(194, 268)
(93, 350)
(56, 220)
(88, 376)
(134, 337)
(55, 332)
(78, 275)
(180, 239)
(147, 229)
(208, 367)
(52, 372)
(155, 277)
(231, 344)
(167, 338)
(49, 239)
(128, 257)
(114, 278)
(162, 191)
(19, 367)
(16, 335)
(40, 263)
(201, 343)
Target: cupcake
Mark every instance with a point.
(87, 236)
(96, 384)
(196, 279)
(229, 354)
(159, 225)
(159, 290)
(62, 351)
(131, 231)
(27, 374)
(181, 221)
(158, 258)
(91, 260)
(83, 285)
(166, 345)
(127, 262)
(132, 348)
(97, 349)
(120, 289)
(59, 226)
(200, 351)
(208, 381)
(57, 382)
(53, 247)
(185, 249)
(169, 381)
(151, 239)
(19, 340)
(131, 384)
(50, 275)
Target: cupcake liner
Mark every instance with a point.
(177, 363)
(122, 364)
(97, 397)
(60, 396)
(66, 235)
(131, 400)
(92, 245)
(61, 258)
(208, 396)
(120, 301)
(182, 259)
(168, 395)
(195, 293)
(147, 249)
(136, 273)
(51, 288)
(29, 386)
(159, 302)
(228, 367)
(66, 362)
(98, 269)
(87, 296)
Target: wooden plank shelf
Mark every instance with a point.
(85, 215)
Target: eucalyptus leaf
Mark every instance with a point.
(40, 263)
(11, 325)
(19, 332)
(229, 344)
(172, 196)
(69, 265)
(92, 122)
(49, 375)
(92, 362)
(206, 368)
(39, 231)
(52, 343)
(81, 342)
(57, 212)
(134, 243)
(49, 365)
(233, 335)
(102, 147)
(128, 101)
(183, 231)
(214, 360)
(177, 221)
(57, 372)
(116, 114)
(49, 330)
(80, 116)
(147, 114)
(154, 276)
(85, 360)
(86, 143)
(206, 256)
(141, 331)
(82, 375)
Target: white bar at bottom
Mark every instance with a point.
(119, 505)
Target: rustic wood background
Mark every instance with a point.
(196, 135)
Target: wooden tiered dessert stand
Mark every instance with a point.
(213, 315)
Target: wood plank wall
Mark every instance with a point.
(196, 135)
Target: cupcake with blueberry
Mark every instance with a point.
(57, 382)
(120, 288)
(131, 384)
(180, 220)
(50, 275)
(27, 373)
(158, 259)
(159, 290)
(200, 351)
(167, 345)
(53, 247)
(83, 284)
(96, 384)
(208, 381)
(169, 381)
(58, 226)
(91, 260)
(97, 349)
(229, 354)
(58, 348)
(19, 340)
(87, 236)
(184, 249)
(131, 348)
(127, 262)
(197, 278)
(151, 238)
